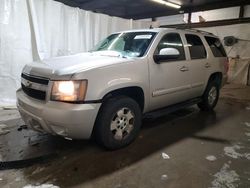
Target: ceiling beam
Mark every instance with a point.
(210, 24)
(242, 9)
(219, 5)
(187, 9)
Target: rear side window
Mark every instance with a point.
(172, 40)
(196, 47)
(216, 47)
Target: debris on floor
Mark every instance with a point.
(38, 170)
(211, 158)
(6, 115)
(118, 186)
(247, 134)
(165, 156)
(41, 186)
(248, 108)
(225, 178)
(247, 124)
(9, 108)
(18, 179)
(21, 127)
(164, 177)
(3, 129)
(230, 151)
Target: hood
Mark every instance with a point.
(68, 65)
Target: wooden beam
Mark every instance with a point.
(242, 9)
(189, 17)
(210, 24)
(218, 5)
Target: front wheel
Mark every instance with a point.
(210, 97)
(118, 122)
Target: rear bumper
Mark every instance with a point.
(74, 121)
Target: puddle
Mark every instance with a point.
(20, 149)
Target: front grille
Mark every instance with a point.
(35, 79)
(38, 92)
(41, 95)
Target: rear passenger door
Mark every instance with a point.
(197, 60)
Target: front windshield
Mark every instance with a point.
(131, 44)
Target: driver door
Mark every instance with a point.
(170, 81)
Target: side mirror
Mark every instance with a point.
(166, 54)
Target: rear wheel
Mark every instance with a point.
(118, 122)
(210, 96)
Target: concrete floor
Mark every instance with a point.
(184, 149)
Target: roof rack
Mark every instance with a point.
(196, 30)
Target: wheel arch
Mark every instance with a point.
(216, 76)
(134, 92)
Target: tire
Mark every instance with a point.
(118, 123)
(210, 96)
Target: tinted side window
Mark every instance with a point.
(196, 47)
(172, 40)
(216, 47)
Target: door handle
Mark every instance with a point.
(207, 65)
(184, 68)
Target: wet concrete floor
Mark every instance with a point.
(184, 149)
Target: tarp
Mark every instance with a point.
(241, 31)
(39, 29)
(239, 71)
(239, 53)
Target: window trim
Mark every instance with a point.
(216, 38)
(206, 55)
(183, 45)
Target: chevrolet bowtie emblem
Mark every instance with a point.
(28, 84)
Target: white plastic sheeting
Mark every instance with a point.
(15, 46)
(213, 15)
(238, 71)
(241, 31)
(39, 29)
(238, 68)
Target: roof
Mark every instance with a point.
(139, 9)
(157, 30)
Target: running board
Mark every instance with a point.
(171, 108)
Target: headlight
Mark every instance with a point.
(69, 91)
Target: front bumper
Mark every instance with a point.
(74, 121)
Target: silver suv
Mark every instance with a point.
(104, 92)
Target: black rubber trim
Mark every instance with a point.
(82, 102)
(169, 109)
(44, 81)
(36, 94)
